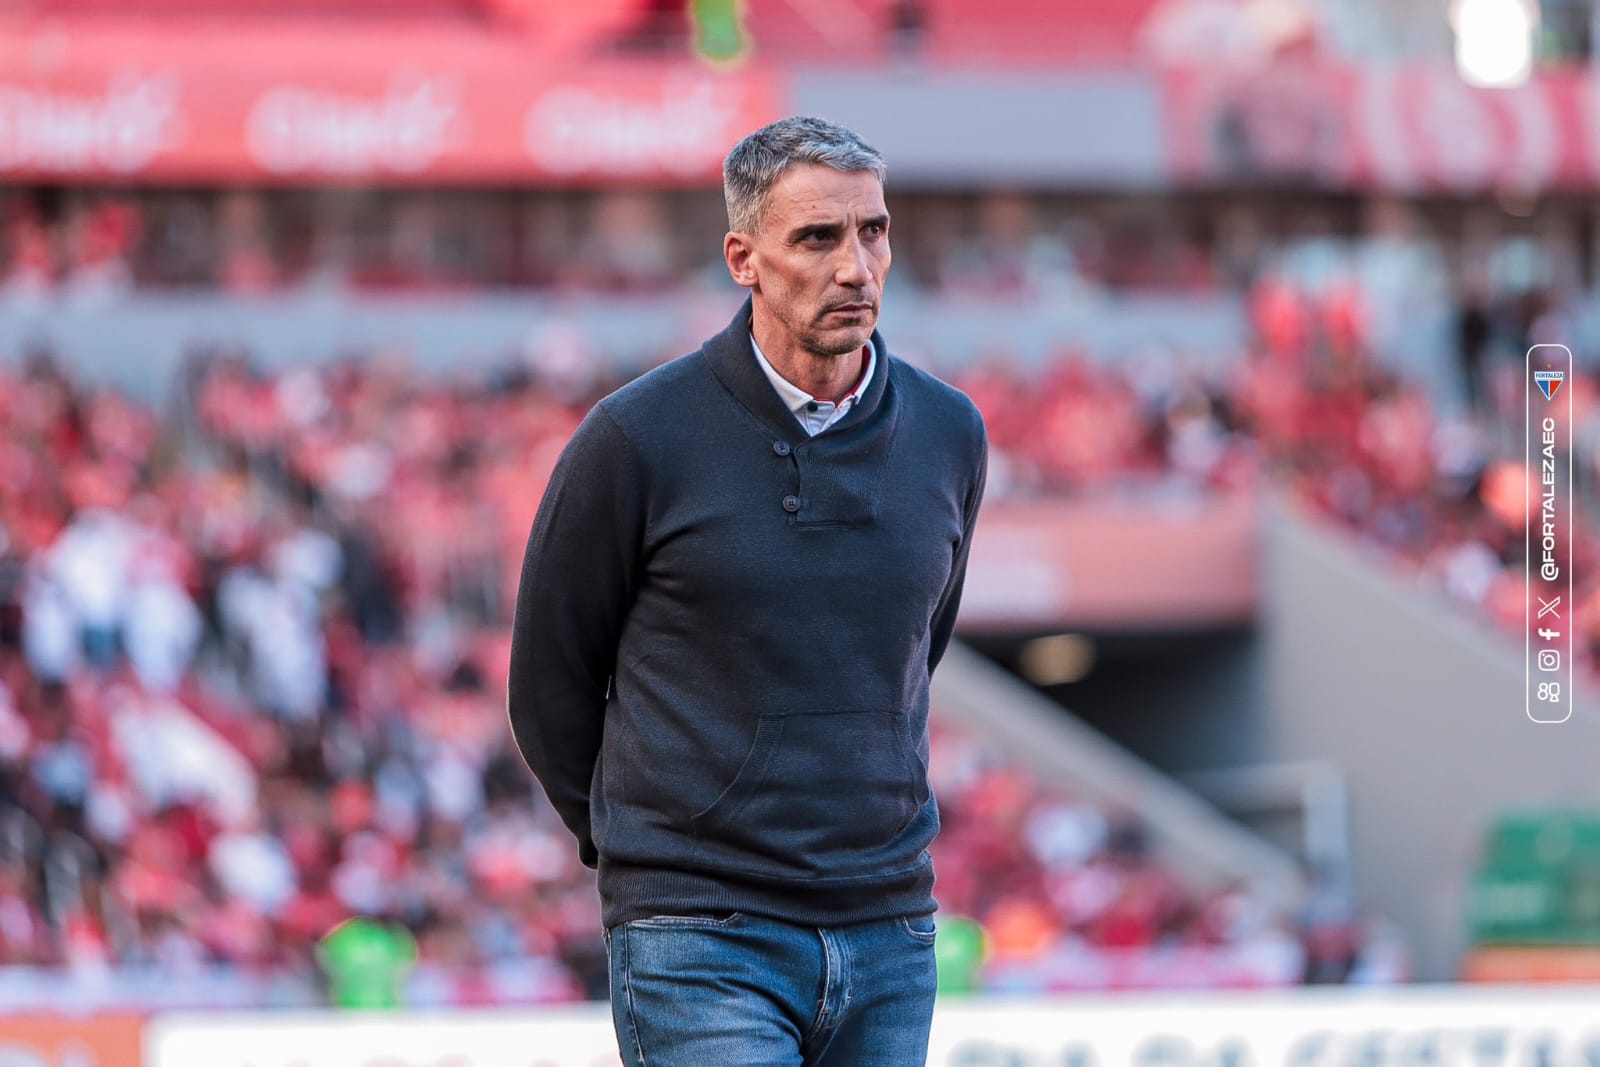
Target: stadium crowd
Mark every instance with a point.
(251, 652)
(250, 668)
(1000, 244)
(1437, 491)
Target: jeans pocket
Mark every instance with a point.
(920, 928)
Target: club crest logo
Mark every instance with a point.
(1549, 381)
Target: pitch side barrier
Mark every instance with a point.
(1404, 1027)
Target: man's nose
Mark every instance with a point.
(852, 271)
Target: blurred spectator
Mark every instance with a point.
(1472, 344)
(366, 962)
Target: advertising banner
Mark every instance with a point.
(288, 107)
(1403, 128)
(70, 1041)
(310, 102)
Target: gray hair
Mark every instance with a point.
(755, 164)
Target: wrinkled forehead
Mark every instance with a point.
(810, 193)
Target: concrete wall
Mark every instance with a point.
(943, 128)
(135, 342)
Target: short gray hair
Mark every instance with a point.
(755, 164)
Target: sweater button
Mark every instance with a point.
(781, 448)
(791, 504)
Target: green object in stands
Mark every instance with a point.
(718, 31)
(1539, 881)
(958, 950)
(366, 962)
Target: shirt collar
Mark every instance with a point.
(795, 398)
(728, 356)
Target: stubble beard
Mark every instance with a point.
(842, 341)
(829, 346)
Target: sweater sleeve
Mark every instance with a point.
(944, 614)
(579, 577)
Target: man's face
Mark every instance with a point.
(819, 263)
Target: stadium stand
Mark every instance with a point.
(250, 660)
(250, 650)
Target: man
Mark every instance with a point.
(744, 570)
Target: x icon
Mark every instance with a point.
(1549, 608)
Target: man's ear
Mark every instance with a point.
(739, 254)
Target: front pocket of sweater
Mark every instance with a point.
(818, 792)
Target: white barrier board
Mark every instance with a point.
(1531, 1026)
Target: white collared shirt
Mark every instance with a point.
(815, 415)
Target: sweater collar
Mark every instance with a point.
(798, 400)
(734, 363)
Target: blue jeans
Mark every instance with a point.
(746, 991)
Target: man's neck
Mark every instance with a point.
(825, 377)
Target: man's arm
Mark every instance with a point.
(944, 614)
(579, 578)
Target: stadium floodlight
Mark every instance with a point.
(1494, 41)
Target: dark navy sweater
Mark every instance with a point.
(725, 631)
